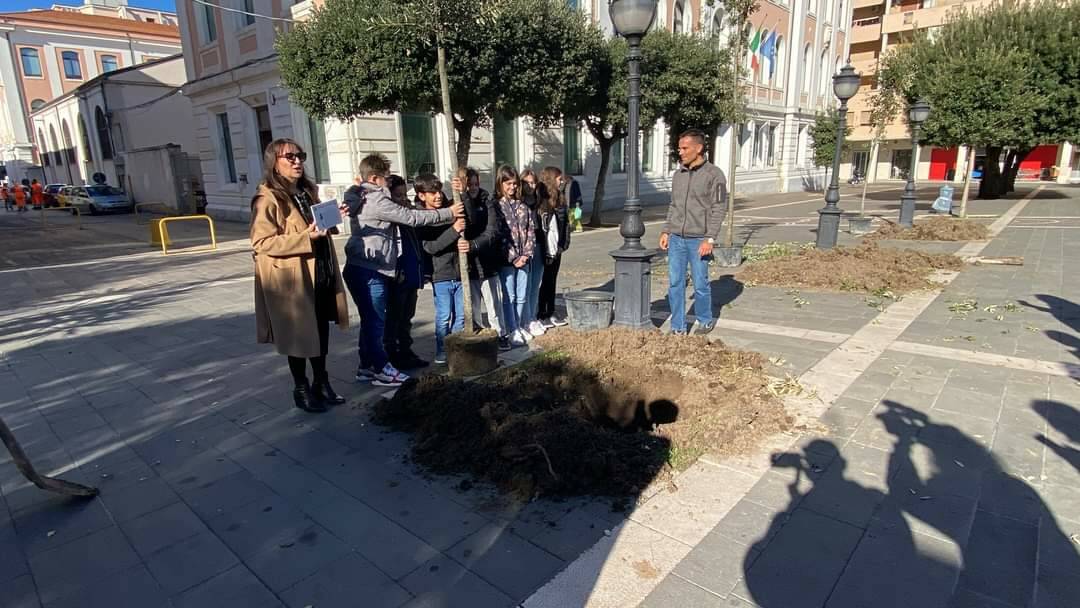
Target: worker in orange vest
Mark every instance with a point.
(4, 194)
(37, 194)
(20, 198)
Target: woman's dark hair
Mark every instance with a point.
(506, 173)
(548, 191)
(394, 181)
(278, 185)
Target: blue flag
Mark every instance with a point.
(768, 50)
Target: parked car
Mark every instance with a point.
(52, 192)
(99, 199)
(64, 195)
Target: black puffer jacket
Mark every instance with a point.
(483, 230)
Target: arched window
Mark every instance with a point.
(85, 139)
(69, 147)
(55, 145)
(780, 63)
(718, 27)
(806, 79)
(103, 134)
(37, 104)
(823, 74)
(31, 62)
(72, 67)
(42, 148)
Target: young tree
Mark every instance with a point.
(823, 138)
(1006, 78)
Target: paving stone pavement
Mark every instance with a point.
(137, 373)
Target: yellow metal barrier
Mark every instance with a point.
(164, 232)
(156, 237)
(72, 210)
(135, 210)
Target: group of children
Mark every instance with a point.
(15, 197)
(513, 241)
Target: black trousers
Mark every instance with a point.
(400, 309)
(546, 306)
(324, 309)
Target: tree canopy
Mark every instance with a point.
(357, 57)
(823, 137)
(1007, 77)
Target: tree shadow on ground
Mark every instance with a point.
(1065, 420)
(933, 527)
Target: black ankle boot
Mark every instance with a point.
(325, 393)
(306, 400)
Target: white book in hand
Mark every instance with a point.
(327, 215)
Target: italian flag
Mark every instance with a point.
(754, 44)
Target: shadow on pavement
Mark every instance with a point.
(1065, 420)
(947, 520)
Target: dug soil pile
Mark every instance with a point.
(602, 413)
(864, 268)
(934, 229)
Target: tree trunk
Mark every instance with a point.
(463, 259)
(992, 184)
(1012, 167)
(595, 217)
(968, 168)
(464, 130)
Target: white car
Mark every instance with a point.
(99, 199)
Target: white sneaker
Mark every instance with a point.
(516, 339)
(525, 335)
(537, 328)
(389, 376)
(558, 321)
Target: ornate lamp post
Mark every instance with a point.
(845, 85)
(918, 112)
(633, 262)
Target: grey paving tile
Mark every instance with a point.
(78, 563)
(296, 556)
(1057, 590)
(1006, 495)
(1019, 453)
(438, 521)
(131, 587)
(236, 588)
(852, 487)
(960, 401)
(676, 591)
(442, 583)
(507, 561)
(1062, 502)
(341, 583)
(571, 535)
(212, 498)
(800, 566)
(189, 562)
(969, 599)
(138, 499)
(159, 529)
(260, 525)
(51, 525)
(717, 563)
(12, 560)
(1000, 559)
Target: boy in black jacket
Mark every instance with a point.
(441, 244)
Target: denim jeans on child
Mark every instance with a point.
(680, 252)
(515, 283)
(449, 311)
(369, 290)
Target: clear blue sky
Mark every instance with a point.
(11, 6)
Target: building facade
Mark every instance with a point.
(132, 125)
(240, 105)
(876, 27)
(46, 54)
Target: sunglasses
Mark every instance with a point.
(292, 157)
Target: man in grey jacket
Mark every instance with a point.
(371, 260)
(694, 219)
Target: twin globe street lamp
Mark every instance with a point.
(633, 262)
(918, 112)
(845, 85)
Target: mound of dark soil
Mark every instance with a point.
(934, 229)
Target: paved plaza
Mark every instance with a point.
(939, 464)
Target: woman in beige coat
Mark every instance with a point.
(298, 286)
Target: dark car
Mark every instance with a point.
(52, 192)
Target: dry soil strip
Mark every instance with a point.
(622, 569)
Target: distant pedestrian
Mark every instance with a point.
(371, 261)
(5, 194)
(484, 234)
(535, 270)
(37, 194)
(298, 284)
(555, 228)
(572, 194)
(519, 247)
(402, 290)
(694, 220)
(20, 198)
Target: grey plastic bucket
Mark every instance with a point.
(589, 309)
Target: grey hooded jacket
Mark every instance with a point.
(697, 202)
(376, 241)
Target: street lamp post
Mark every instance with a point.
(917, 115)
(845, 85)
(633, 262)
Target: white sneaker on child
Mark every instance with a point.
(516, 339)
(537, 328)
(389, 376)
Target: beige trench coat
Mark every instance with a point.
(285, 278)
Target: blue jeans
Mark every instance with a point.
(369, 292)
(515, 284)
(535, 269)
(680, 252)
(449, 309)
